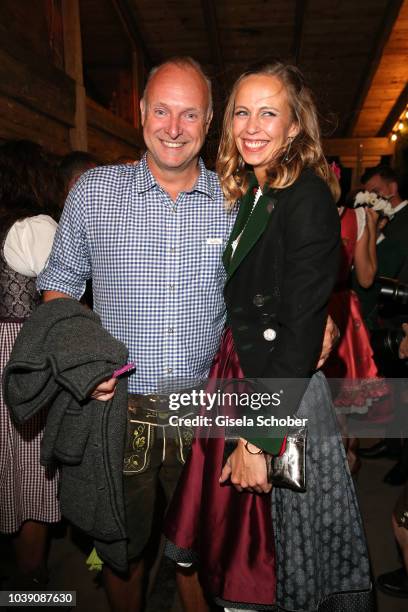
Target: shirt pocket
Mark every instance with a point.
(212, 272)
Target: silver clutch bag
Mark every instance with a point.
(289, 469)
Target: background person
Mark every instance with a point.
(356, 383)
(30, 204)
(73, 165)
(384, 181)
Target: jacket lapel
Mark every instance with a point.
(244, 210)
(253, 231)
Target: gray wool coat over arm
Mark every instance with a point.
(60, 355)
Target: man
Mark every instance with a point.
(151, 236)
(395, 583)
(383, 180)
(73, 165)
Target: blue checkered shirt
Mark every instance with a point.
(155, 265)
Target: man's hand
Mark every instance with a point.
(331, 337)
(105, 390)
(246, 471)
(403, 347)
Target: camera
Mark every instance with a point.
(385, 342)
(392, 290)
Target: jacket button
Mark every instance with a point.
(259, 300)
(269, 334)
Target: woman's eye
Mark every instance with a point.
(159, 112)
(240, 113)
(268, 114)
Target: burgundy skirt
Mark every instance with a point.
(230, 533)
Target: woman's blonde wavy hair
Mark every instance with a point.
(304, 151)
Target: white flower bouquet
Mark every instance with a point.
(370, 199)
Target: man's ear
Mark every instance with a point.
(394, 188)
(142, 110)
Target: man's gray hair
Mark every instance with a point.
(183, 62)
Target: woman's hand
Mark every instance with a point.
(373, 219)
(330, 339)
(365, 253)
(247, 471)
(403, 347)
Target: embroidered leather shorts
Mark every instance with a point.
(147, 428)
(154, 456)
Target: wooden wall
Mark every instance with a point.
(38, 99)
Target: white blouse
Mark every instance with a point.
(28, 244)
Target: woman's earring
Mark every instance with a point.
(286, 158)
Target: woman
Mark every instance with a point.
(351, 366)
(281, 261)
(30, 196)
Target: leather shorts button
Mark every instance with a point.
(269, 334)
(258, 300)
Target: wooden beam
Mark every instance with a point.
(17, 120)
(73, 67)
(105, 121)
(298, 30)
(380, 40)
(211, 24)
(137, 86)
(53, 97)
(394, 113)
(369, 147)
(126, 14)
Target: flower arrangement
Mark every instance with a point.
(370, 199)
(336, 170)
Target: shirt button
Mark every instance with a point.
(169, 370)
(269, 334)
(171, 287)
(259, 300)
(172, 249)
(170, 330)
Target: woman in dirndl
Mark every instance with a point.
(258, 546)
(30, 199)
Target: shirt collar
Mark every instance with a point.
(146, 180)
(400, 206)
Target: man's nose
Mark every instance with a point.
(174, 128)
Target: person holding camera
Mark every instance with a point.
(395, 583)
(383, 180)
(393, 291)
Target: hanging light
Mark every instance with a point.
(400, 125)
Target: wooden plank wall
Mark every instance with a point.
(37, 97)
